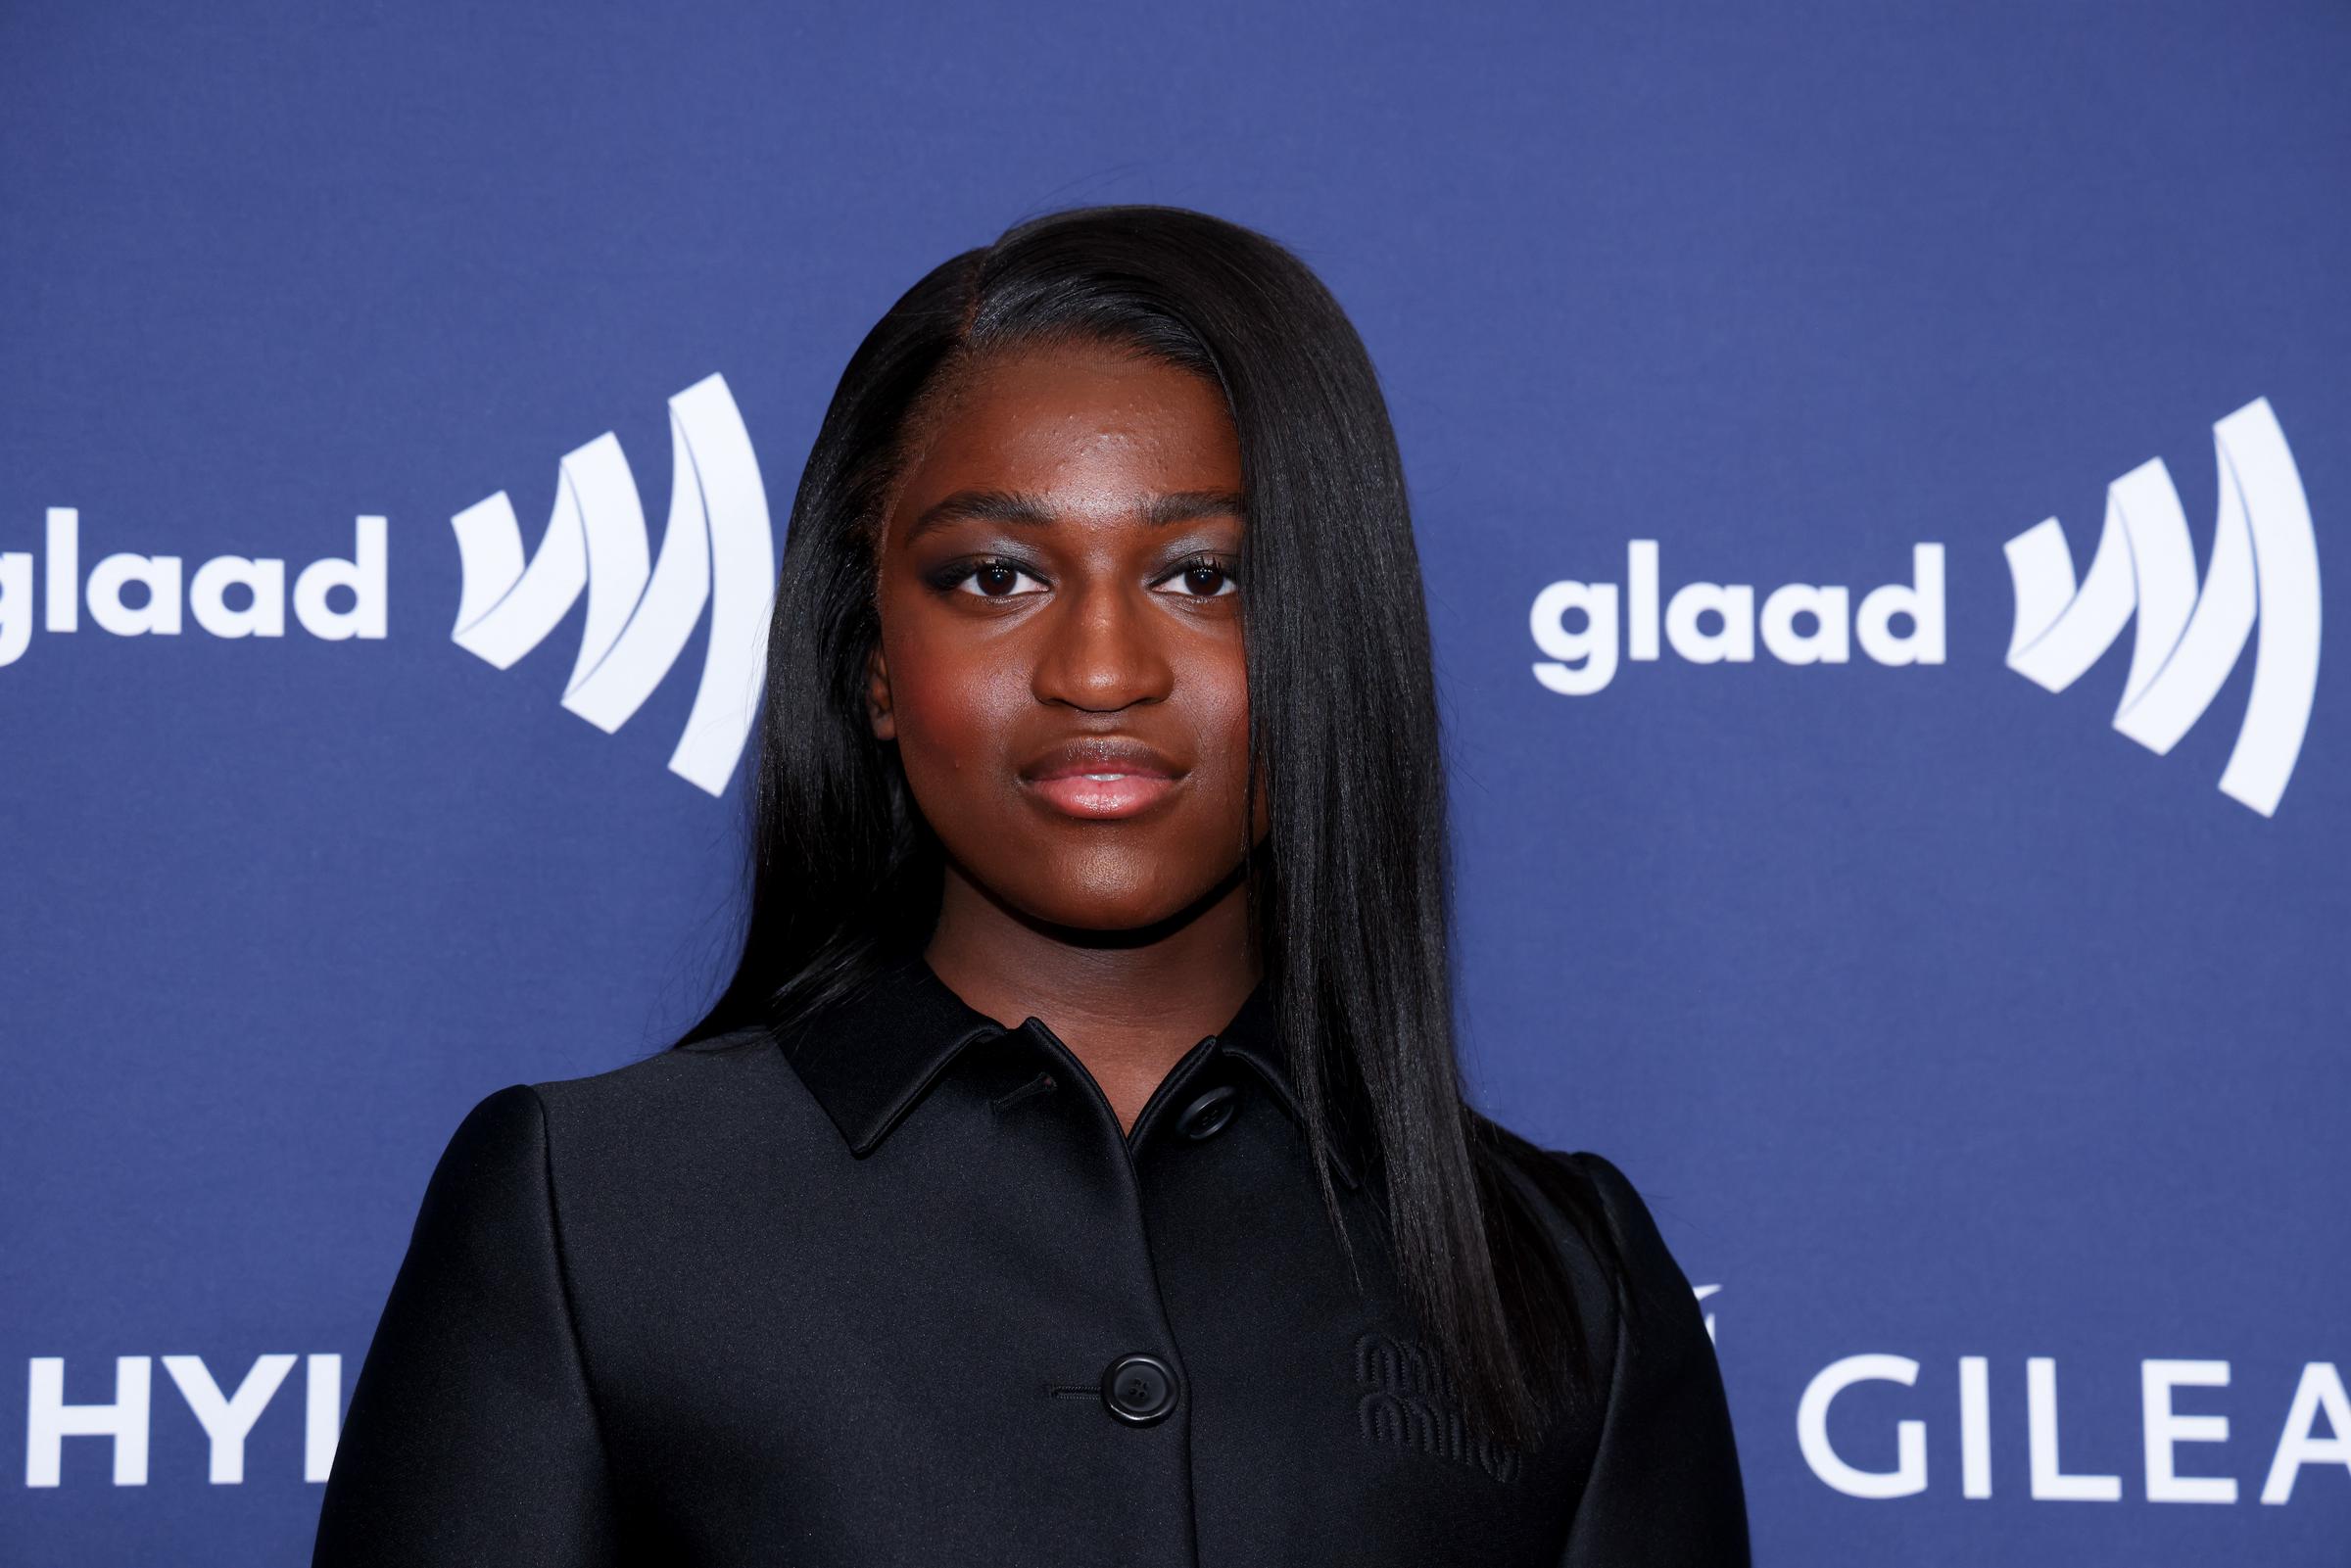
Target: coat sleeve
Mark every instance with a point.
(471, 1436)
(1664, 1490)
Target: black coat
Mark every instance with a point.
(899, 1291)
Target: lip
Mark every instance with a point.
(1101, 778)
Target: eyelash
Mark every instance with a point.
(953, 579)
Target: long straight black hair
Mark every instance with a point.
(1349, 901)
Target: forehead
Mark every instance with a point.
(1088, 427)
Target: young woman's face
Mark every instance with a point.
(1060, 660)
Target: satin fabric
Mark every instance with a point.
(849, 1298)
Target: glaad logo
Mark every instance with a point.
(2264, 565)
(718, 550)
(1714, 623)
(334, 599)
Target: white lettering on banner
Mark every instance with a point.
(1716, 623)
(322, 1414)
(64, 526)
(264, 586)
(1909, 1477)
(2164, 1428)
(2320, 1392)
(16, 607)
(2050, 1483)
(227, 1419)
(49, 1420)
(2322, 1387)
(130, 594)
(1975, 1426)
(158, 611)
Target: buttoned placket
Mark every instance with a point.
(1144, 1387)
(1138, 1391)
(1102, 1215)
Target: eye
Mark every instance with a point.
(995, 579)
(1202, 577)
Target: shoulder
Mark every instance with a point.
(1605, 1227)
(1648, 1264)
(700, 1078)
(615, 1162)
(499, 1147)
(677, 1101)
(689, 1090)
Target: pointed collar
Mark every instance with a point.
(868, 1059)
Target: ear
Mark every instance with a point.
(877, 698)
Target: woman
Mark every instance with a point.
(1075, 1170)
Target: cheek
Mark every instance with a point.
(1220, 689)
(952, 701)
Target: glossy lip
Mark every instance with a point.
(1100, 778)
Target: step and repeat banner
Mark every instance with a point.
(1876, 468)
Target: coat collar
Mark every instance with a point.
(869, 1058)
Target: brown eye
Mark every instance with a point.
(996, 580)
(1203, 580)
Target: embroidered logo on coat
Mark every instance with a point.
(1409, 1402)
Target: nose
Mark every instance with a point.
(1102, 651)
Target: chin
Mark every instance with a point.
(1094, 897)
(1104, 915)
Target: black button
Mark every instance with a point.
(1206, 1116)
(1140, 1389)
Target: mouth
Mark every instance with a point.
(1101, 778)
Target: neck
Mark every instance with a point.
(1127, 1004)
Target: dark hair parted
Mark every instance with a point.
(1348, 902)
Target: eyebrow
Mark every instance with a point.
(1012, 506)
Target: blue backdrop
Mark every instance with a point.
(1989, 1062)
